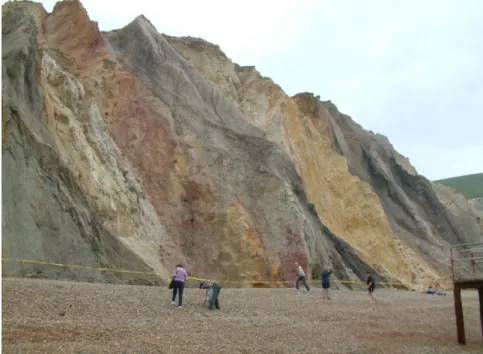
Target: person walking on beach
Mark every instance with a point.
(180, 276)
(300, 277)
(326, 282)
(370, 285)
(213, 293)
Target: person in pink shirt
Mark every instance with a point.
(180, 276)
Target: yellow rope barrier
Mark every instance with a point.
(190, 278)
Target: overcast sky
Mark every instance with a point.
(411, 70)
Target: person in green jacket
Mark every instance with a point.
(215, 293)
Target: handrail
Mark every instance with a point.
(466, 244)
(467, 259)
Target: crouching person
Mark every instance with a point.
(213, 293)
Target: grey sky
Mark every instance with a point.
(411, 70)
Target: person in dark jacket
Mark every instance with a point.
(371, 286)
(215, 293)
(326, 282)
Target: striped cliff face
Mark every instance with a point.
(133, 150)
(354, 178)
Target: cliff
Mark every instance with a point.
(132, 149)
(466, 214)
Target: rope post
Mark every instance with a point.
(22, 271)
(4, 260)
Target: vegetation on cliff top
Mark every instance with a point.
(471, 186)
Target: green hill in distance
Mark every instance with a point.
(471, 186)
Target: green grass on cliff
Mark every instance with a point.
(471, 186)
